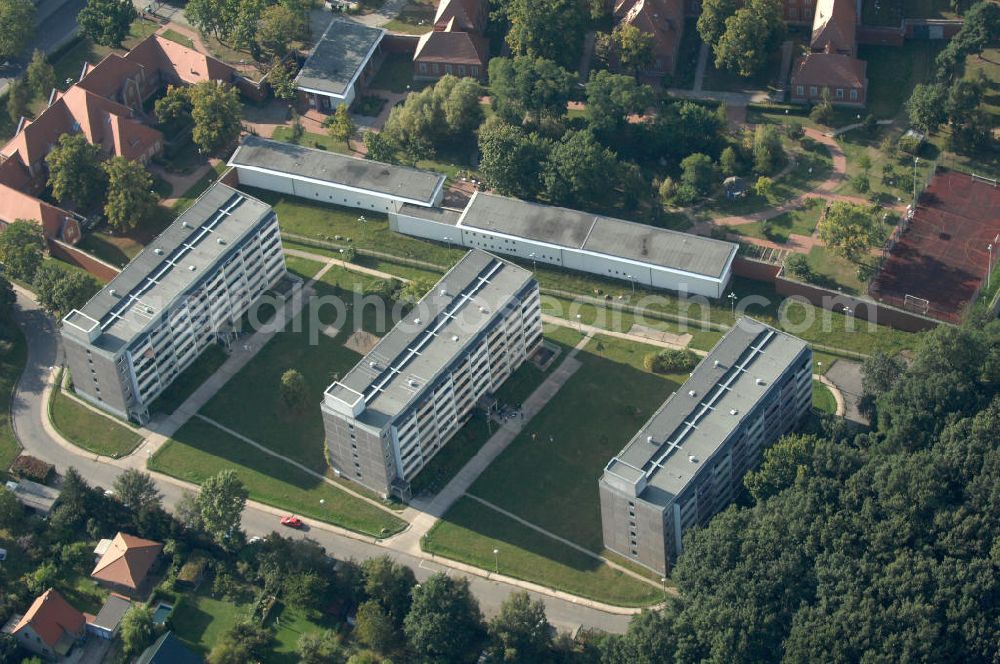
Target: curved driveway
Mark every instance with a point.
(28, 408)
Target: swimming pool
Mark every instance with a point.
(161, 612)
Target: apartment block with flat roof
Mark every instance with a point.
(688, 461)
(186, 290)
(388, 417)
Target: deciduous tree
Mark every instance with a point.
(294, 391)
(75, 173)
(444, 623)
(17, 27)
(633, 47)
(578, 170)
(220, 502)
(60, 290)
(137, 629)
(849, 229)
(698, 170)
(712, 19)
(374, 627)
(339, 124)
(215, 109)
(512, 159)
(130, 196)
(611, 98)
(282, 80)
(18, 96)
(927, 107)
(319, 647)
(551, 29)
(40, 75)
(535, 88)
(520, 632)
(752, 33)
(21, 246)
(136, 489)
(107, 22)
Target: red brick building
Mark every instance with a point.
(831, 67)
(456, 44)
(664, 20)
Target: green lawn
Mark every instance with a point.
(548, 474)
(396, 72)
(250, 403)
(175, 36)
(823, 399)
(415, 18)
(835, 272)
(188, 198)
(120, 248)
(190, 380)
(199, 450)
(100, 434)
(470, 531)
(311, 139)
(325, 222)
(12, 358)
(893, 71)
(801, 221)
(822, 362)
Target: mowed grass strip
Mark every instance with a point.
(199, 450)
(548, 475)
(823, 399)
(470, 531)
(11, 365)
(93, 432)
(251, 403)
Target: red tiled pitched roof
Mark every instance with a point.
(460, 16)
(51, 616)
(834, 26)
(830, 70)
(188, 65)
(105, 78)
(663, 19)
(465, 48)
(127, 561)
(16, 205)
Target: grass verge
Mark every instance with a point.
(100, 434)
(199, 450)
(470, 531)
(823, 399)
(12, 363)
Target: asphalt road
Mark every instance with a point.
(44, 352)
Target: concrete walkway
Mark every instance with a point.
(434, 509)
(837, 395)
(699, 72)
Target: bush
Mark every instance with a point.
(861, 183)
(671, 361)
(794, 130)
(822, 113)
(909, 144)
(798, 267)
(31, 468)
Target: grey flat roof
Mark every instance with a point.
(574, 229)
(438, 214)
(338, 57)
(321, 165)
(440, 328)
(34, 495)
(111, 613)
(168, 267)
(763, 353)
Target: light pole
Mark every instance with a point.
(448, 240)
(362, 219)
(496, 560)
(534, 267)
(631, 281)
(579, 324)
(732, 304)
(915, 161)
(663, 580)
(847, 311)
(989, 266)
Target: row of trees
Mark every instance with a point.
(58, 287)
(872, 547)
(264, 28)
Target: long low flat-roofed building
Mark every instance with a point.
(388, 416)
(576, 240)
(183, 292)
(341, 60)
(688, 461)
(336, 179)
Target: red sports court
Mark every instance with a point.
(938, 264)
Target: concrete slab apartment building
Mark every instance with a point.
(576, 240)
(185, 291)
(688, 461)
(388, 416)
(336, 179)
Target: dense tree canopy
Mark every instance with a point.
(216, 111)
(40, 75)
(75, 172)
(17, 26)
(444, 623)
(511, 159)
(107, 22)
(528, 87)
(130, 196)
(438, 116)
(551, 29)
(220, 503)
(751, 35)
(849, 229)
(611, 98)
(579, 171)
(880, 547)
(21, 246)
(61, 289)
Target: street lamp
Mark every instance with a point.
(732, 304)
(989, 266)
(496, 560)
(632, 281)
(448, 240)
(663, 580)
(532, 257)
(579, 324)
(847, 311)
(915, 160)
(362, 219)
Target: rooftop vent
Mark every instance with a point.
(412, 383)
(649, 439)
(692, 458)
(483, 310)
(112, 292)
(416, 321)
(158, 251)
(220, 240)
(759, 381)
(454, 337)
(373, 364)
(734, 412)
(192, 268)
(149, 310)
(692, 393)
(717, 364)
(185, 224)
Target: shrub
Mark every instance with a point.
(31, 468)
(794, 130)
(861, 183)
(909, 144)
(798, 267)
(671, 361)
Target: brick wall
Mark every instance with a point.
(103, 272)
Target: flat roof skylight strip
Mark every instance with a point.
(168, 263)
(427, 333)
